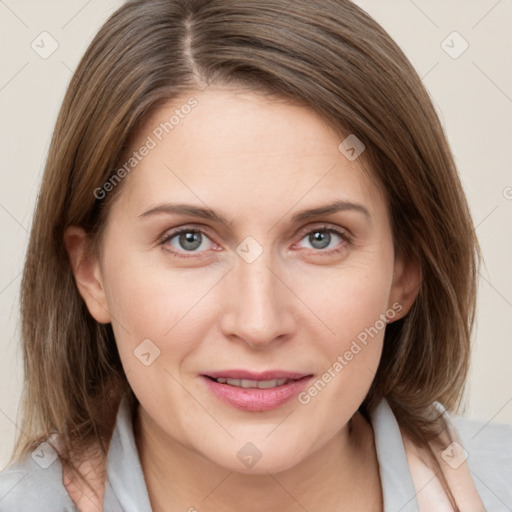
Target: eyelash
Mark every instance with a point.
(326, 229)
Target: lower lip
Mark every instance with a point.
(256, 399)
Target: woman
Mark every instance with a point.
(251, 276)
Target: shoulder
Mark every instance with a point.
(488, 448)
(35, 485)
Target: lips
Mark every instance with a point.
(258, 376)
(255, 391)
(260, 384)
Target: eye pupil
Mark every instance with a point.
(320, 239)
(190, 240)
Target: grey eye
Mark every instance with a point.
(188, 241)
(319, 239)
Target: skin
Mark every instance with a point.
(258, 161)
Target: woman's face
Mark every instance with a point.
(258, 287)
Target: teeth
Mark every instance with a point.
(261, 384)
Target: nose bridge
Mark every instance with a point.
(259, 313)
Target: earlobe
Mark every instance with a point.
(406, 285)
(87, 273)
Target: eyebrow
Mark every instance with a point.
(337, 206)
(212, 215)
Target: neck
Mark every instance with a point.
(343, 474)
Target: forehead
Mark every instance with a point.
(237, 148)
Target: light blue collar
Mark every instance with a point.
(397, 485)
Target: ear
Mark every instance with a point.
(405, 287)
(86, 269)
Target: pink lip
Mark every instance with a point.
(248, 375)
(255, 399)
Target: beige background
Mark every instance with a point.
(472, 93)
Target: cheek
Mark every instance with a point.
(353, 306)
(358, 321)
(169, 307)
(352, 303)
(150, 308)
(145, 294)
(348, 300)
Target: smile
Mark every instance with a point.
(255, 392)
(260, 384)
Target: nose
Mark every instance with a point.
(259, 309)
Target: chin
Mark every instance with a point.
(253, 458)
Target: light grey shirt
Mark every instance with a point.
(32, 487)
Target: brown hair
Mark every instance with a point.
(330, 56)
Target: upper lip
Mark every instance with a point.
(257, 376)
